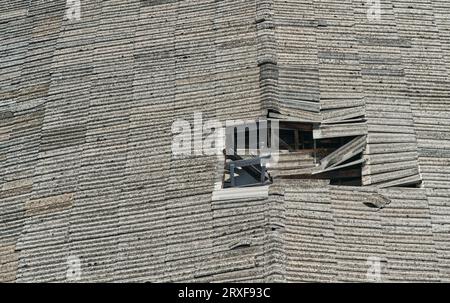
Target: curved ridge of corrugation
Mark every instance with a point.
(86, 167)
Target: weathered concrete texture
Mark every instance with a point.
(329, 234)
(86, 168)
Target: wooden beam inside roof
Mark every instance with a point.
(282, 117)
(297, 125)
(348, 173)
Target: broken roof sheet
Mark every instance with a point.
(86, 168)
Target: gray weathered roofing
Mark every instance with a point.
(86, 167)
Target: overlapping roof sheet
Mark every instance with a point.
(86, 167)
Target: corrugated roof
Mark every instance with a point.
(86, 167)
